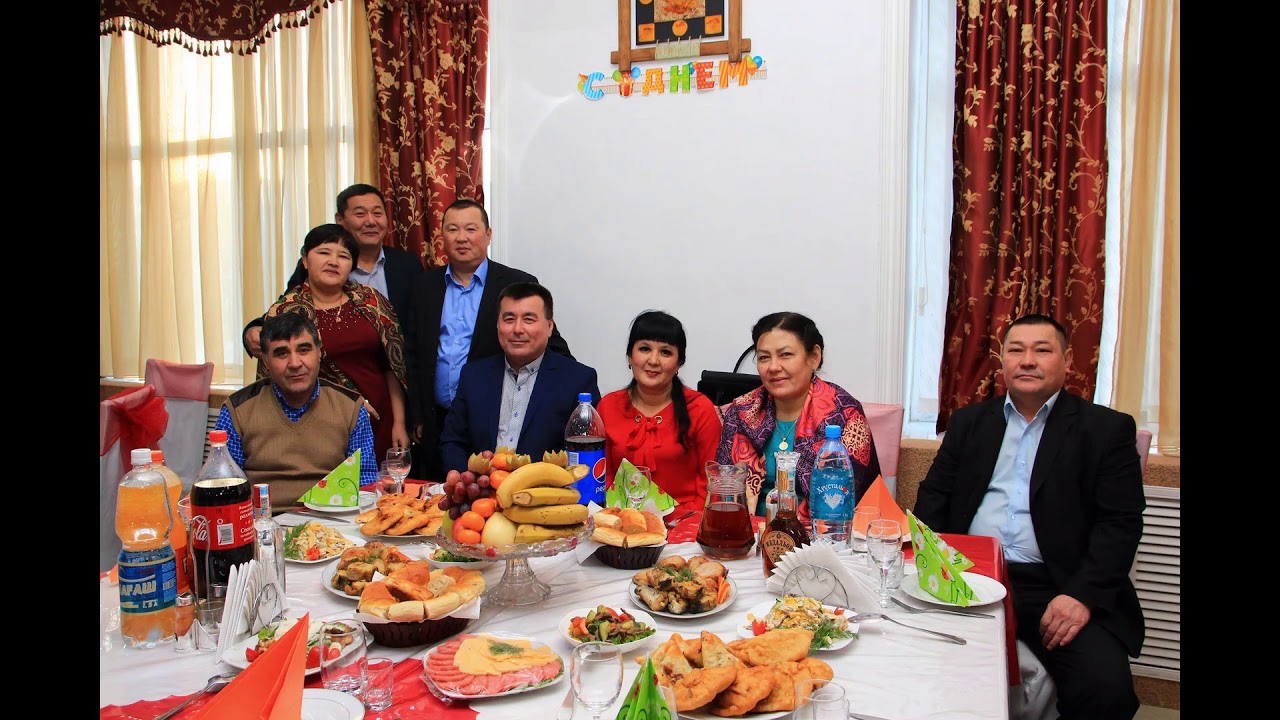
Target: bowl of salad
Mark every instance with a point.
(442, 558)
(627, 629)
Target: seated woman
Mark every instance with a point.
(656, 421)
(790, 411)
(359, 332)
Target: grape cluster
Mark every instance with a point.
(461, 489)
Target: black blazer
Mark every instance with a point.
(422, 342)
(472, 422)
(1086, 499)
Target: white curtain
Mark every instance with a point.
(212, 170)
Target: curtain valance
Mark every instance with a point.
(208, 27)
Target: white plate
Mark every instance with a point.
(986, 590)
(358, 542)
(365, 499)
(733, 595)
(906, 535)
(639, 615)
(320, 704)
(326, 579)
(761, 610)
(502, 635)
(236, 658)
(473, 565)
(748, 716)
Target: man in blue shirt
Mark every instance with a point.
(290, 429)
(1057, 480)
(454, 320)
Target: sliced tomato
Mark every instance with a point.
(251, 654)
(838, 611)
(333, 652)
(580, 626)
(313, 553)
(313, 657)
(625, 617)
(758, 627)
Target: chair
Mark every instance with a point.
(132, 418)
(886, 435)
(185, 390)
(1144, 449)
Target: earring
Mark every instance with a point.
(628, 366)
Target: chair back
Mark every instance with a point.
(1144, 449)
(185, 389)
(886, 434)
(133, 418)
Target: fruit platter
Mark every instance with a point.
(529, 510)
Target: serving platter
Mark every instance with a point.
(639, 615)
(357, 543)
(235, 657)
(535, 643)
(634, 594)
(326, 579)
(761, 610)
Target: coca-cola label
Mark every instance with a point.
(228, 527)
(776, 544)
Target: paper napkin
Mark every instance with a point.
(849, 590)
(878, 496)
(469, 610)
(588, 547)
(644, 700)
(939, 566)
(659, 503)
(340, 488)
(271, 687)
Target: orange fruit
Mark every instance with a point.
(500, 461)
(484, 506)
(496, 477)
(472, 520)
(465, 536)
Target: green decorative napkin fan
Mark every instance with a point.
(615, 497)
(939, 565)
(644, 699)
(340, 488)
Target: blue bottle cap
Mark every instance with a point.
(832, 432)
(584, 397)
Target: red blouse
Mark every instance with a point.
(654, 442)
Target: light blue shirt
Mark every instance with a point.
(517, 386)
(1005, 512)
(457, 324)
(376, 278)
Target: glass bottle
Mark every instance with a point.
(269, 548)
(785, 531)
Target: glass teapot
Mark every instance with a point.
(725, 532)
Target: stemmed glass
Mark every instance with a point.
(862, 518)
(595, 669)
(884, 544)
(399, 462)
(389, 481)
(637, 486)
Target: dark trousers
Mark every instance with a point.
(428, 463)
(1091, 673)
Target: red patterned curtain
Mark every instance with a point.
(206, 26)
(429, 59)
(1030, 157)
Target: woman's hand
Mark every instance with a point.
(399, 437)
(373, 414)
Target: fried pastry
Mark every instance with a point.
(782, 698)
(773, 647)
(749, 687)
(702, 685)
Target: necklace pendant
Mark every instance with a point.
(782, 445)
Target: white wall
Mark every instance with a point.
(718, 207)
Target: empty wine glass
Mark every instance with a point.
(595, 669)
(637, 486)
(399, 461)
(884, 544)
(862, 517)
(388, 482)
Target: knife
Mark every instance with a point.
(860, 716)
(566, 707)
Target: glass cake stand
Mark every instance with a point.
(519, 585)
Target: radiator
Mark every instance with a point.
(1156, 575)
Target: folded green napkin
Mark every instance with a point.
(658, 502)
(644, 699)
(939, 565)
(340, 488)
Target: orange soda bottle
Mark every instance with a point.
(148, 573)
(178, 537)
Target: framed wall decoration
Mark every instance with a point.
(662, 29)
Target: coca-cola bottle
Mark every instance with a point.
(221, 495)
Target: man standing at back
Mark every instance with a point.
(1057, 480)
(521, 398)
(454, 313)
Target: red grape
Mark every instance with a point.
(460, 493)
(452, 476)
(483, 482)
(455, 512)
(473, 491)
(445, 502)
(448, 486)
(468, 476)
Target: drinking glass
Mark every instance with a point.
(389, 481)
(819, 699)
(596, 673)
(637, 486)
(862, 517)
(884, 544)
(399, 462)
(378, 693)
(347, 672)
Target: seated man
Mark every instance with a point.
(291, 428)
(522, 398)
(1056, 479)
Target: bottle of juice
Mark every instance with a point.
(177, 538)
(148, 573)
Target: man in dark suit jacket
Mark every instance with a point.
(495, 405)
(362, 211)
(437, 347)
(1058, 481)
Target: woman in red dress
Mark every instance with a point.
(359, 333)
(655, 420)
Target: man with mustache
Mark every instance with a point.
(1057, 480)
(291, 428)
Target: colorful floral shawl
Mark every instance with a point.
(371, 305)
(749, 422)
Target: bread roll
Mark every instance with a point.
(633, 520)
(376, 599)
(609, 536)
(407, 611)
(640, 539)
(607, 519)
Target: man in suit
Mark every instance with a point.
(389, 270)
(454, 320)
(523, 397)
(1057, 480)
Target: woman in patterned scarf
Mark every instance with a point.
(789, 412)
(359, 332)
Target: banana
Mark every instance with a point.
(530, 533)
(498, 530)
(539, 474)
(546, 496)
(548, 514)
(579, 471)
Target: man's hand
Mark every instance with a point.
(1062, 621)
(418, 428)
(373, 414)
(252, 338)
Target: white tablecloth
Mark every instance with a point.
(888, 671)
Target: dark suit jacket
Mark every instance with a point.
(401, 268)
(472, 422)
(1086, 499)
(422, 342)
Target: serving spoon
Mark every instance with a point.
(216, 683)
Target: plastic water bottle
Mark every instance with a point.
(148, 573)
(584, 443)
(831, 500)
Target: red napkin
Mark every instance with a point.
(271, 687)
(877, 496)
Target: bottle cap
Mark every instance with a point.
(833, 432)
(217, 436)
(140, 456)
(157, 456)
(584, 397)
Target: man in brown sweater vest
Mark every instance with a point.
(291, 428)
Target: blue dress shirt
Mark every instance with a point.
(457, 324)
(1005, 512)
(375, 278)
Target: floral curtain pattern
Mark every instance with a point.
(207, 27)
(429, 59)
(1030, 162)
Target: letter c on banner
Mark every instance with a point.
(590, 92)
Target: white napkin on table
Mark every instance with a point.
(825, 555)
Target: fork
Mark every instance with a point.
(881, 616)
(915, 610)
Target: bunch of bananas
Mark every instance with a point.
(537, 504)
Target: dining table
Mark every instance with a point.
(888, 672)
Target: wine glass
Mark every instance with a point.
(884, 544)
(637, 486)
(595, 669)
(862, 518)
(821, 699)
(399, 461)
(388, 482)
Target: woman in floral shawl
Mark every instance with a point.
(789, 412)
(360, 341)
